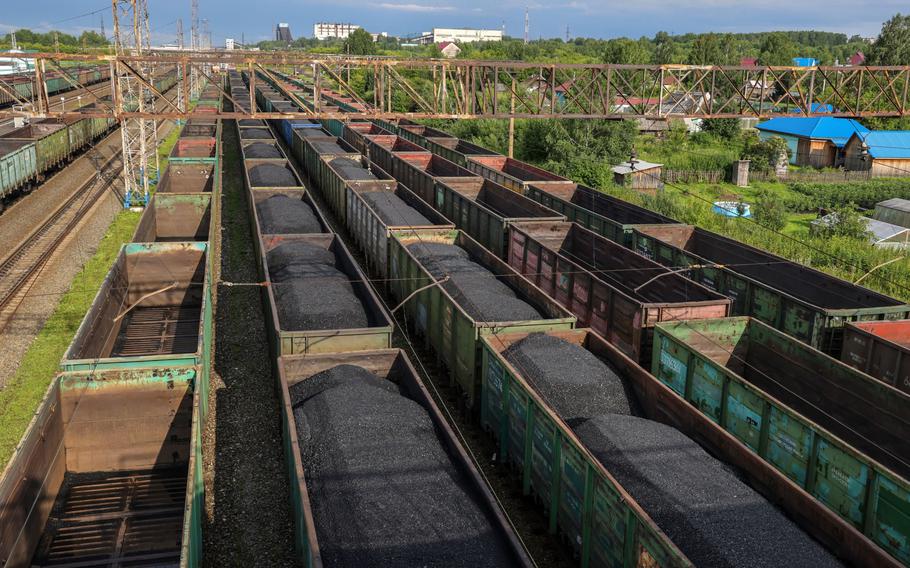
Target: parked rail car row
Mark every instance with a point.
(297, 251)
(825, 461)
(30, 153)
(55, 81)
(109, 472)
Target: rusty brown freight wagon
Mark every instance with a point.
(384, 149)
(188, 177)
(803, 302)
(357, 134)
(514, 174)
(881, 349)
(422, 172)
(619, 294)
(175, 217)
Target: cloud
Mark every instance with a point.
(416, 7)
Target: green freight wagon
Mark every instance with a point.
(604, 525)
(153, 310)
(52, 144)
(609, 288)
(421, 135)
(514, 174)
(485, 210)
(257, 196)
(800, 301)
(309, 147)
(455, 150)
(391, 364)
(839, 434)
(422, 172)
(604, 214)
(175, 217)
(335, 174)
(881, 349)
(292, 342)
(356, 134)
(131, 439)
(18, 165)
(384, 149)
(443, 322)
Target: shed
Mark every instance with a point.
(818, 142)
(449, 49)
(888, 153)
(895, 211)
(881, 234)
(640, 176)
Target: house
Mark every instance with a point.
(881, 234)
(895, 211)
(884, 153)
(642, 176)
(818, 142)
(858, 58)
(748, 62)
(449, 49)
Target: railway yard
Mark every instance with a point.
(365, 342)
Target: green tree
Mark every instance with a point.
(892, 47)
(777, 49)
(764, 154)
(770, 211)
(360, 42)
(846, 222)
(626, 51)
(707, 49)
(725, 128)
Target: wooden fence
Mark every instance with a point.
(693, 176)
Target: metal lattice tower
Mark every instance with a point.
(195, 45)
(139, 135)
(181, 102)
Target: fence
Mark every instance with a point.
(693, 176)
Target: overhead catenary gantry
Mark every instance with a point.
(436, 88)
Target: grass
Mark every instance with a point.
(26, 388)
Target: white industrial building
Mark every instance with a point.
(460, 35)
(329, 30)
(229, 43)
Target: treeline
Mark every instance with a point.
(28, 39)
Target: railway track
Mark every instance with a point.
(20, 269)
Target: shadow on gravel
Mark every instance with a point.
(248, 517)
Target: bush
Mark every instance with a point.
(764, 154)
(724, 128)
(770, 211)
(844, 221)
(865, 194)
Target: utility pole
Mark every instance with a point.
(104, 35)
(195, 79)
(527, 25)
(567, 33)
(139, 136)
(56, 43)
(181, 98)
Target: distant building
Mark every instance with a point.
(748, 62)
(460, 35)
(229, 43)
(858, 58)
(283, 33)
(642, 176)
(333, 30)
(884, 153)
(816, 142)
(449, 49)
(805, 61)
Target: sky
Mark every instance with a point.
(255, 20)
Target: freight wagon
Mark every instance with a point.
(311, 150)
(175, 217)
(264, 222)
(286, 340)
(335, 174)
(514, 174)
(23, 85)
(357, 133)
(421, 174)
(533, 438)
(192, 149)
(485, 210)
(445, 322)
(617, 293)
(189, 176)
(800, 301)
(109, 472)
(153, 310)
(394, 366)
(383, 150)
(18, 166)
(881, 349)
(838, 434)
(604, 214)
(454, 150)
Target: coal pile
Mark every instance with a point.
(262, 150)
(312, 133)
(477, 290)
(311, 293)
(575, 383)
(393, 211)
(714, 518)
(285, 215)
(383, 490)
(351, 169)
(272, 175)
(255, 134)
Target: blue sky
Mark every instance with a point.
(256, 19)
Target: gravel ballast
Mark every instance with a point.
(272, 175)
(473, 287)
(587, 387)
(393, 211)
(714, 518)
(383, 490)
(256, 134)
(310, 292)
(262, 150)
(284, 215)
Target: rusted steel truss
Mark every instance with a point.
(432, 88)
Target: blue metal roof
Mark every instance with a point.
(837, 130)
(816, 108)
(888, 144)
(805, 61)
